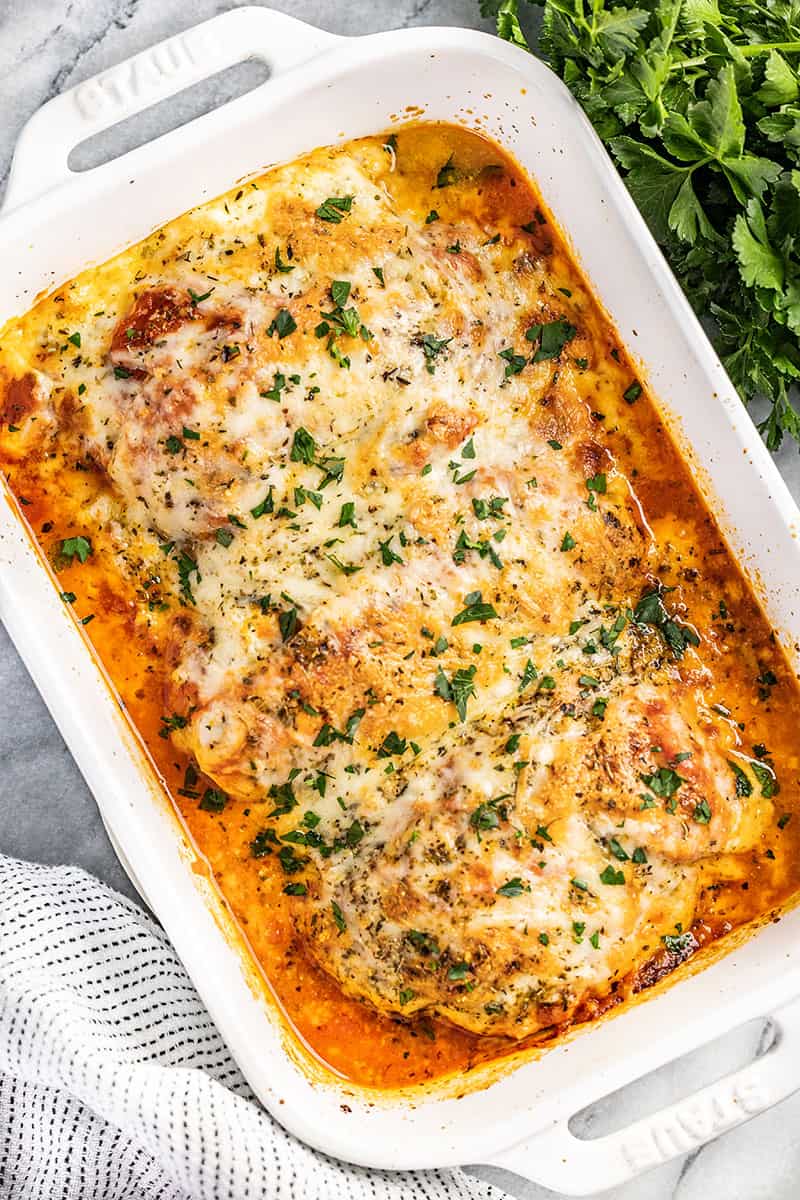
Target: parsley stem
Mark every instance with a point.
(749, 51)
(761, 47)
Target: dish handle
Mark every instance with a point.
(558, 1160)
(40, 158)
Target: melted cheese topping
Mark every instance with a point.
(461, 681)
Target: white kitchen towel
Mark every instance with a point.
(114, 1083)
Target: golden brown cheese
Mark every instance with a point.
(459, 690)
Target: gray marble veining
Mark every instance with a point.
(46, 811)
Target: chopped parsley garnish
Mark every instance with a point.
(484, 549)
(224, 537)
(196, 298)
(295, 889)
(596, 486)
(354, 834)
(343, 567)
(75, 338)
(388, 555)
(475, 610)
(278, 385)
(743, 785)
(484, 509)
(266, 506)
(186, 568)
(328, 734)
(283, 323)
(347, 516)
(663, 781)
(610, 636)
(488, 815)
(423, 943)
(341, 321)
(378, 273)
(213, 800)
(612, 877)
(514, 362)
(702, 813)
(617, 850)
(446, 175)
(651, 611)
(632, 393)
(552, 338)
(431, 217)
(528, 675)
(766, 778)
(340, 290)
(432, 348)
(392, 744)
(458, 972)
(264, 843)
(405, 995)
(338, 917)
(514, 887)
(332, 469)
(304, 448)
(76, 547)
(458, 689)
(567, 543)
(335, 209)
(287, 623)
(283, 267)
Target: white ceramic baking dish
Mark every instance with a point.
(322, 89)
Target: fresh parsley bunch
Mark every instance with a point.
(699, 102)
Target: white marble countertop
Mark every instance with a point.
(46, 811)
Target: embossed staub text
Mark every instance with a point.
(128, 87)
(692, 1123)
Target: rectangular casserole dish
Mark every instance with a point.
(323, 89)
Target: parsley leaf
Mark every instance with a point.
(699, 102)
(476, 610)
(76, 547)
(651, 611)
(335, 209)
(458, 689)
